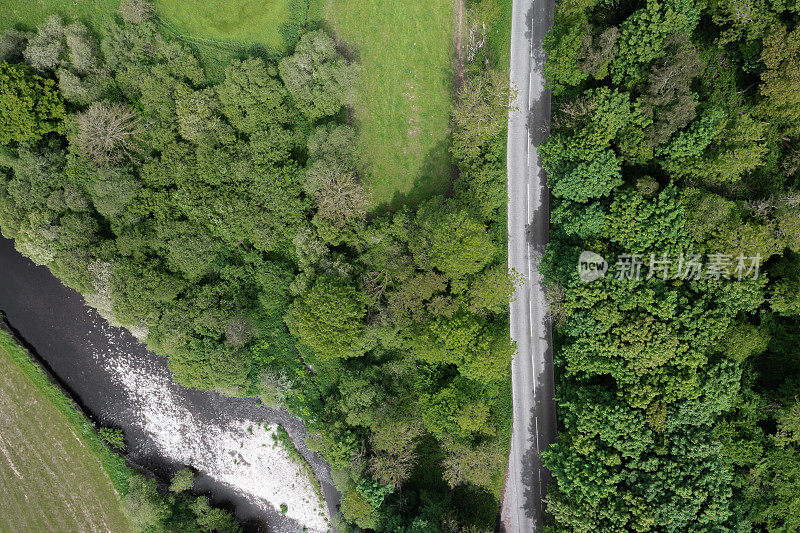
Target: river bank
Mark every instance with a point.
(119, 383)
(55, 472)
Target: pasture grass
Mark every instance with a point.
(273, 25)
(241, 21)
(404, 94)
(222, 29)
(499, 38)
(27, 14)
(55, 475)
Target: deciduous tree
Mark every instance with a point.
(30, 107)
(317, 76)
(450, 240)
(328, 318)
(109, 134)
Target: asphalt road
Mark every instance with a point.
(528, 231)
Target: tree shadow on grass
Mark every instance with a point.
(431, 181)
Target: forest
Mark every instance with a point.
(675, 135)
(223, 222)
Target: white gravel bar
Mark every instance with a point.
(239, 453)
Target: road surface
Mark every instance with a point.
(528, 230)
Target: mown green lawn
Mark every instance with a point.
(50, 480)
(405, 49)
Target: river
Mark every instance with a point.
(119, 383)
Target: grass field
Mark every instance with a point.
(50, 476)
(241, 21)
(231, 21)
(222, 28)
(28, 14)
(402, 113)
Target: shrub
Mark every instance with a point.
(182, 481)
(46, 48)
(317, 76)
(12, 44)
(143, 505)
(113, 438)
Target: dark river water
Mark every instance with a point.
(87, 356)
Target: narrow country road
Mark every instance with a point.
(528, 230)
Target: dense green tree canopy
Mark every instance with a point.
(329, 318)
(30, 107)
(448, 239)
(673, 138)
